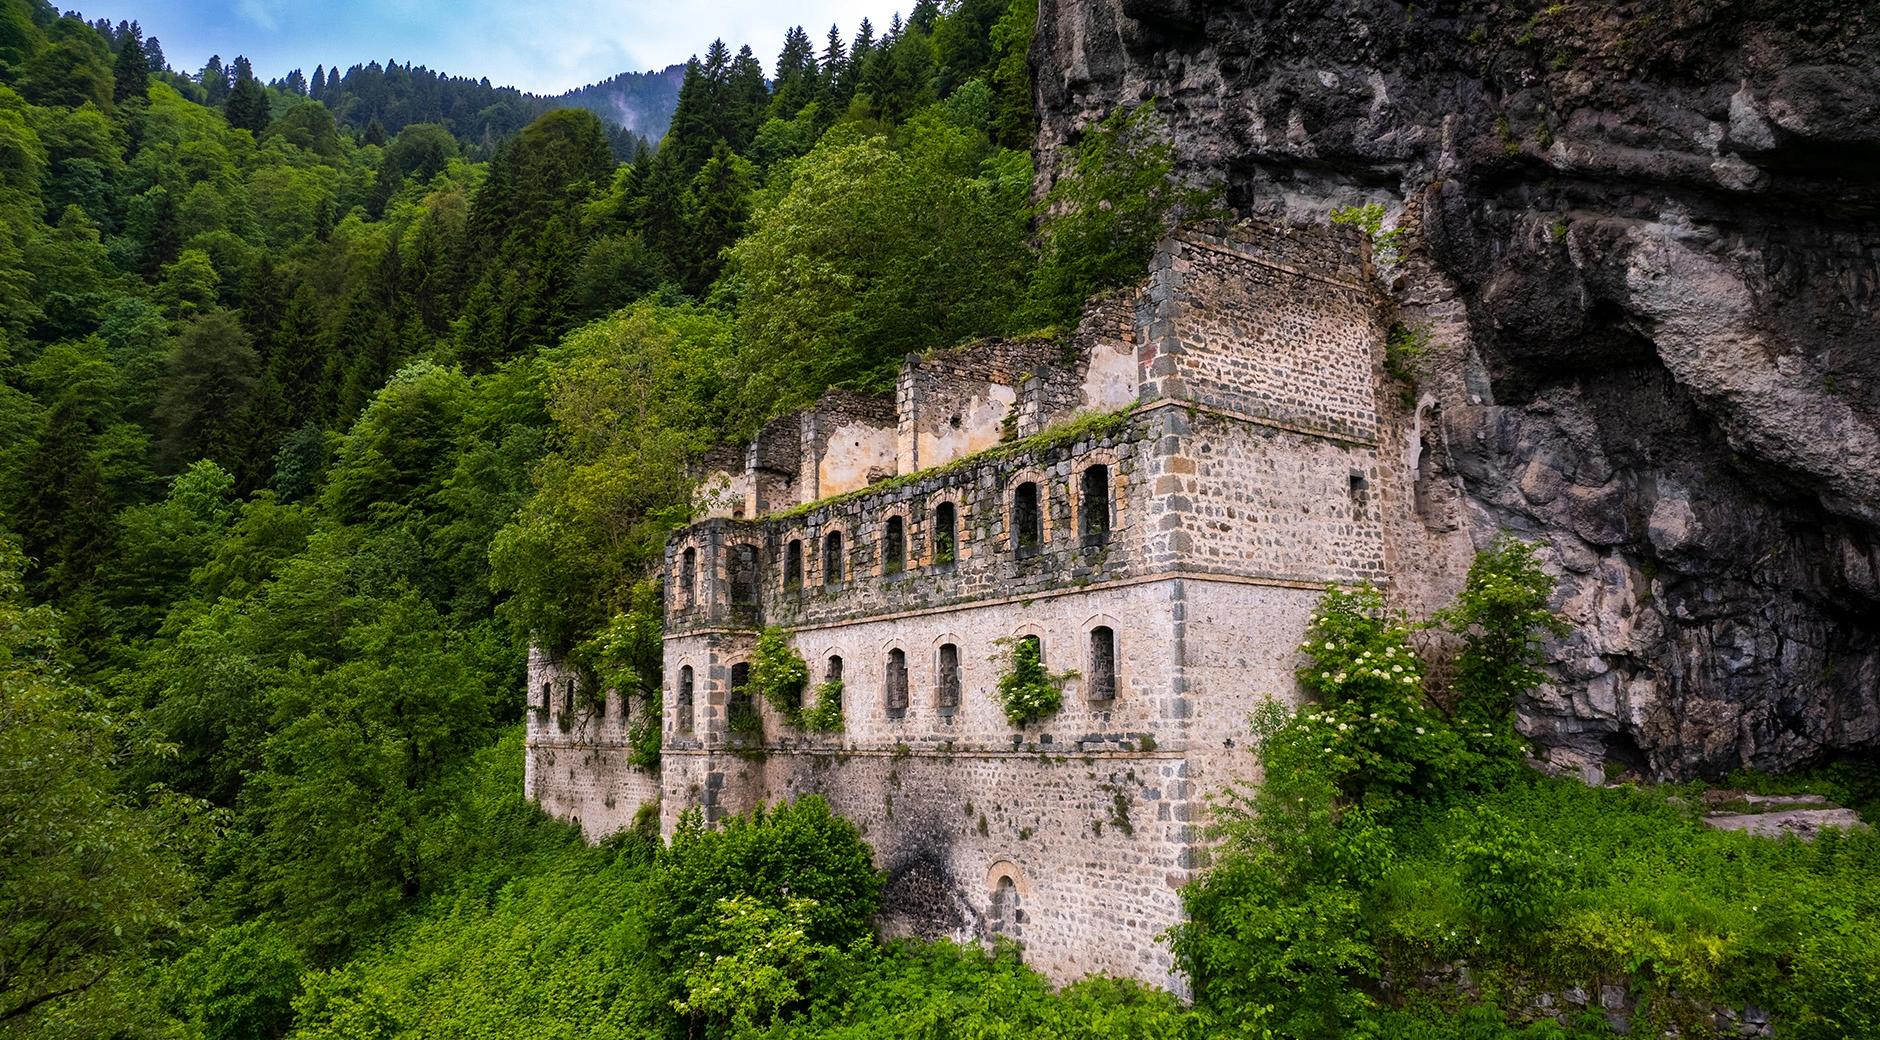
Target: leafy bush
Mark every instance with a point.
(796, 864)
(1500, 615)
(1027, 691)
(1507, 875)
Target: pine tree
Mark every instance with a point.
(317, 89)
(247, 107)
(131, 71)
(720, 200)
(796, 75)
(214, 80)
(747, 97)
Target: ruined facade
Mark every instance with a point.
(1158, 504)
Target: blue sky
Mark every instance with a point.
(544, 48)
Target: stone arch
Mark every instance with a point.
(1096, 628)
(896, 680)
(792, 564)
(743, 577)
(1008, 895)
(684, 695)
(1021, 528)
(886, 563)
(929, 527)
(840, 550)
(949, 674)
(1116, 519)
(683, 580)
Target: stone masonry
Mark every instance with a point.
(1230, 402)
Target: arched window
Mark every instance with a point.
(744, 574)
(682, 706)
(1093, 505)
(893, 545)
(1006, 915)
(945, 534)
(832, 557)
(1360, 494)
(688, 576)
(793, 565)
(896, 684)
(541, 707)
(946, 694)
(1027, 520)
(739, 701)
(1102, 663)
(832, 675)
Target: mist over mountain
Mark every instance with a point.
(640, 102)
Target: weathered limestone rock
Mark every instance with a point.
(1643, 236)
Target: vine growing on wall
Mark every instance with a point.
(1028, 691)
(780, 675)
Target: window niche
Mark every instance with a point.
(1093, 505)
(682, 701)
(688, 577)
(946, 696)
(793, 565)
(945, 534)
(740, 710)
(894, 684)
(894, 545)
(744, 576)
(832, 558)
(1102, 684)
(1027, 520)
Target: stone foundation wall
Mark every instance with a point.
(575, 753)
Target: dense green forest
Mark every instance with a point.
(320, 400)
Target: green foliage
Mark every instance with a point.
(1114, 200)
(826, 715)
(755, 961)
(869, 251)
(1369, 218)
(779, 674)
(1404, 349)
(89, 880)
(1374, 732)
(1027, 691)
(1507, 876)
(1500, 616)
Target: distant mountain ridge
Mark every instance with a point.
(639, 102)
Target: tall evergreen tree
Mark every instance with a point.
(214, 80)
(247, 106)
(131, 70)
(796, 80)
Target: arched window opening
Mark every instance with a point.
(541, 706)
(1102, 663)
(1027, 520)
(896, 684)
(682, 707)
(946, 696)
(1007, 916)
(1094, 505)
(832, 676)
(793, 565)
(744, 574)
(945, 534)
(894, 546)
(832, 557)
(739, 700)
(688, 577)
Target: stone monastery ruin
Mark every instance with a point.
(1159, 506)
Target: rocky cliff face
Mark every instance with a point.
(1645, 238)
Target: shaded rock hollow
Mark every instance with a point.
(1645, 240)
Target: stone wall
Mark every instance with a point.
(1240, 327)
(575, 764)
(1242, 474)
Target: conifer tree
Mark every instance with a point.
(247, 107)
(796, 75)
(131, 70)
